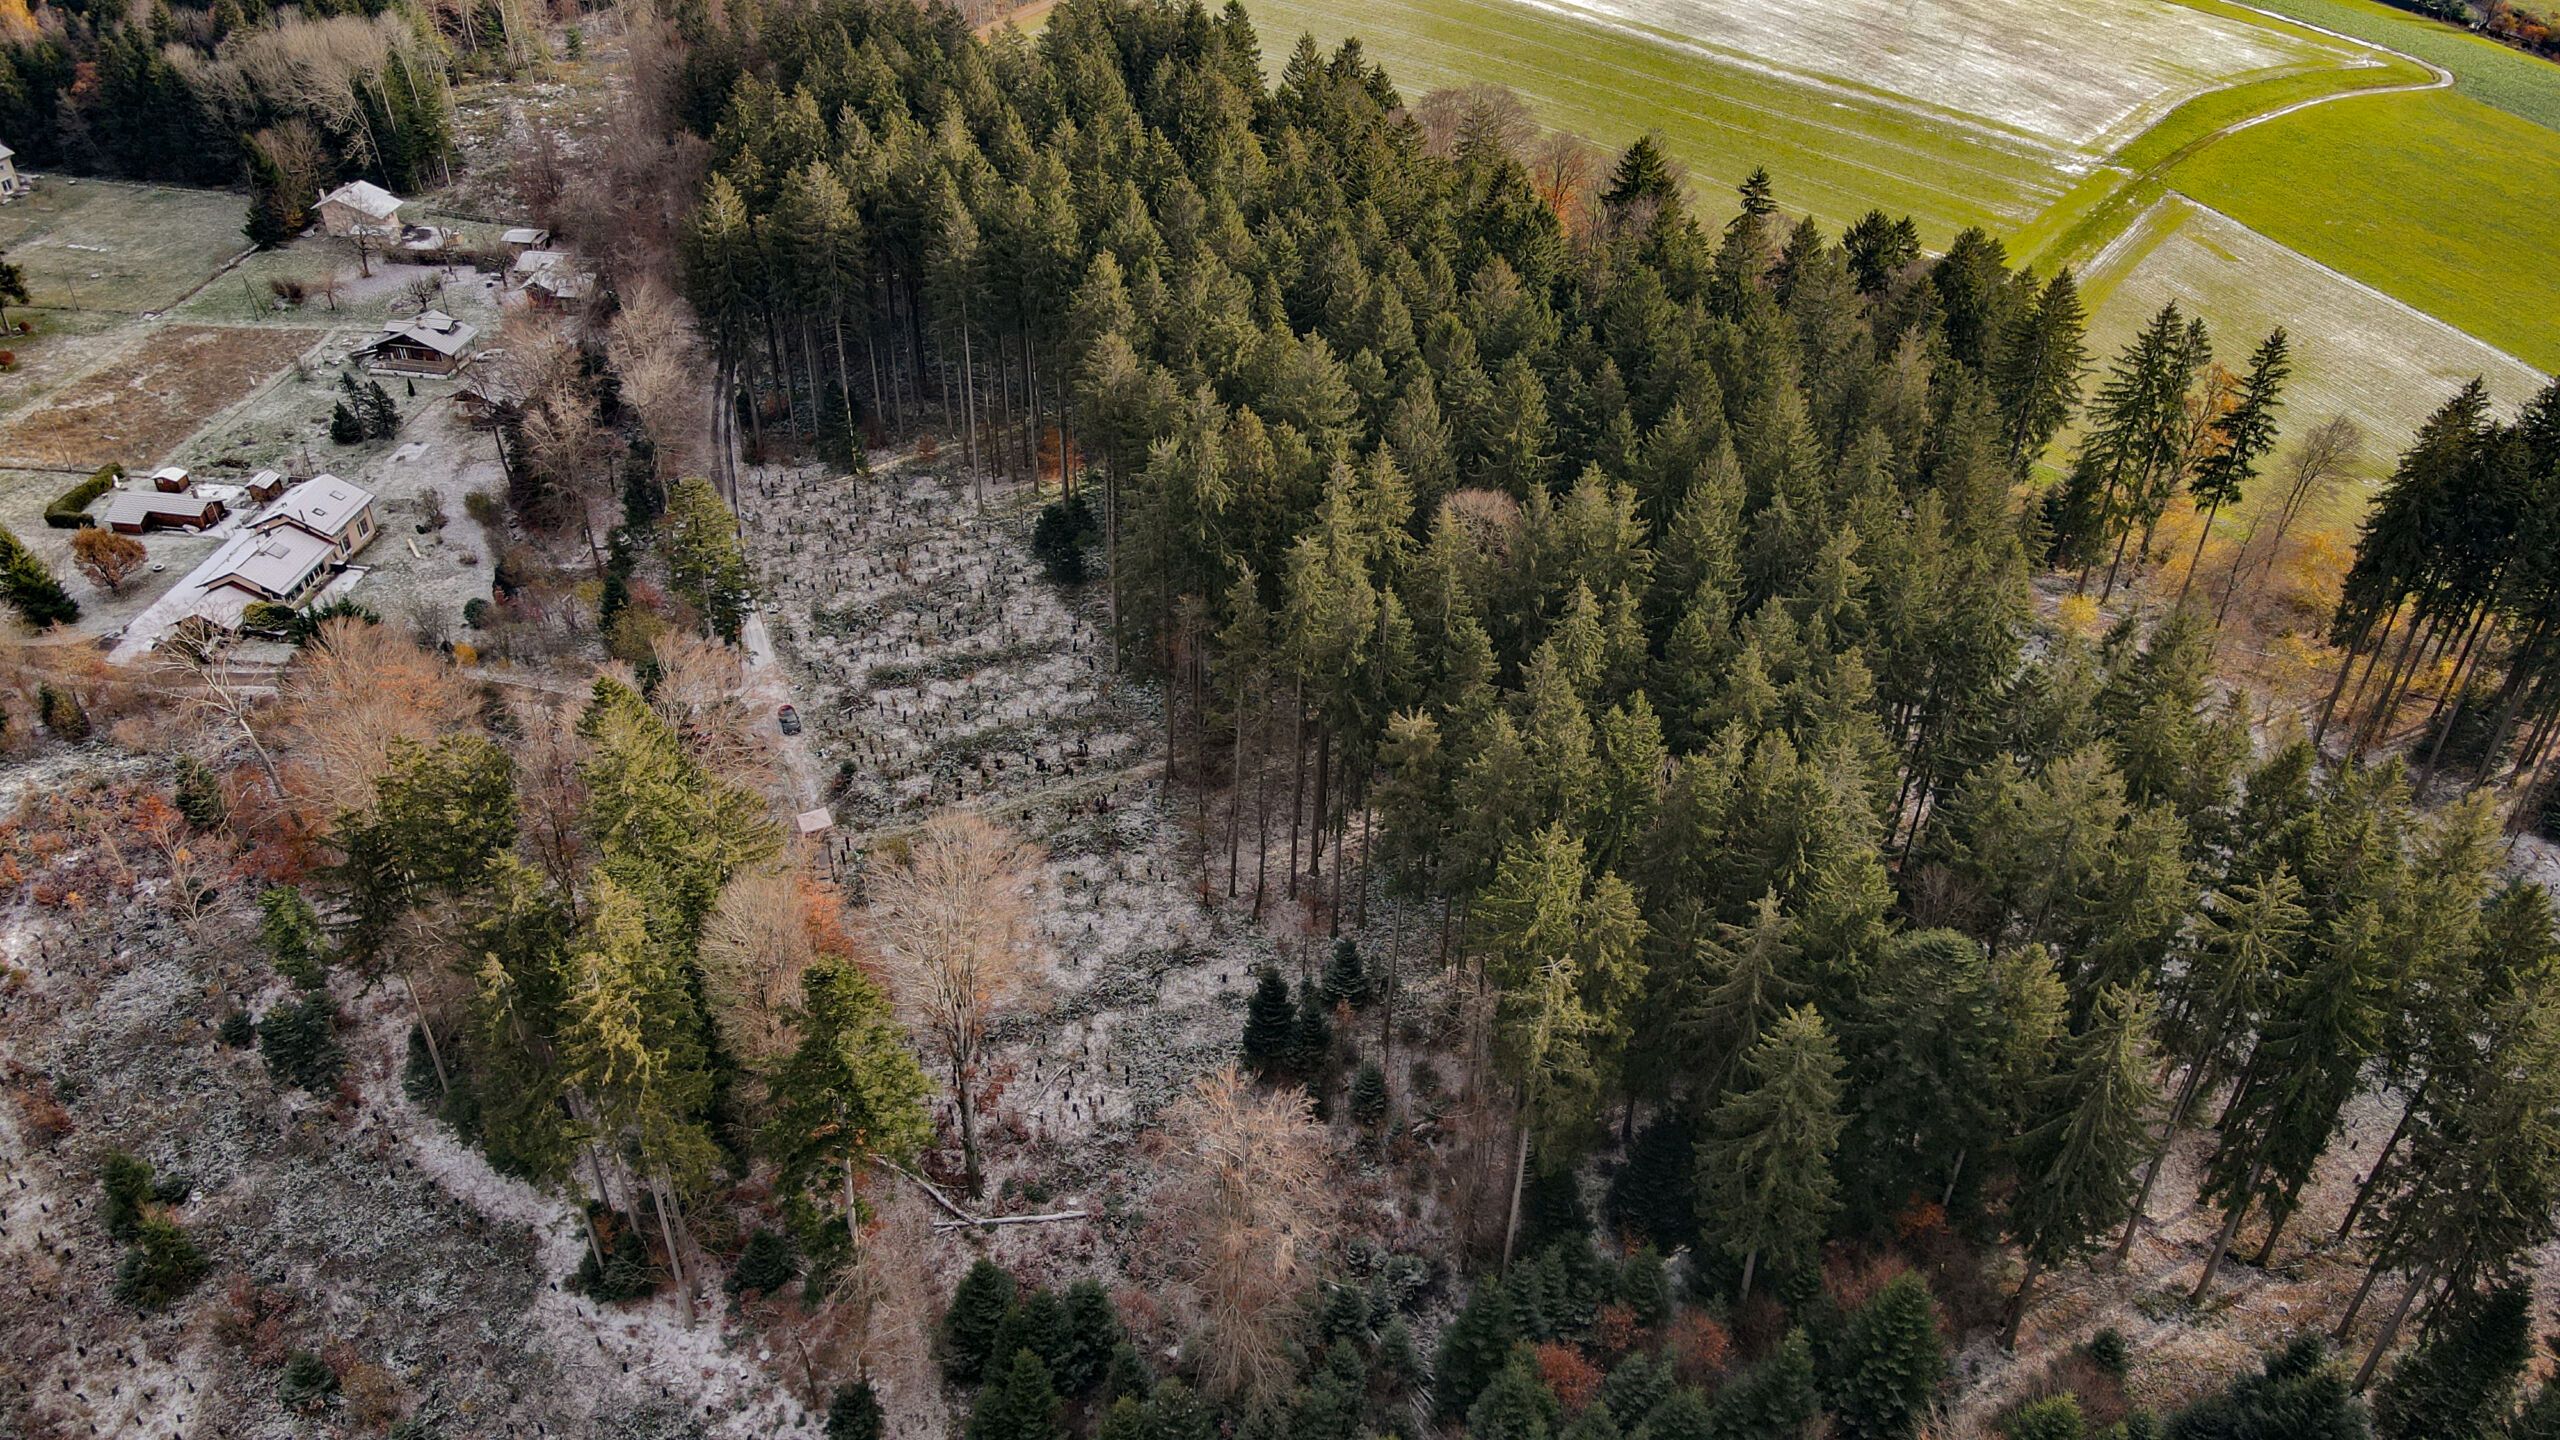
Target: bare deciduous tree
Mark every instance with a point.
(1248, 1210)
(654, 351)
(700, 694)
(1561, 166)
(216, 689)
(2316, 466)
(953, 923)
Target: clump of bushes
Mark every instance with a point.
(626, 1272)
(160, 1263)
(296, 1042)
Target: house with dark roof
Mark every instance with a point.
(136, 512)
(431, 344)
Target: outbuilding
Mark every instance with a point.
(136, 512)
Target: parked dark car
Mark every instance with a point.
(789, 715)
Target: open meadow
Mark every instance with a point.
(2434, 198)
(1946, 110)
(110, 245)
(2482, 68)
(2379, 362)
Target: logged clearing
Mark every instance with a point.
(1957, 112)
(2355, 352)
(107, 245)
(137, 407)
(2433, 198)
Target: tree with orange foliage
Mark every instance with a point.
(107, 558)
(1570, 1374)
(351, 695)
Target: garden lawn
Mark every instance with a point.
(108, 245)
(2483, 69)
(2439, 200)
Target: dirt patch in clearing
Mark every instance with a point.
(136, 408)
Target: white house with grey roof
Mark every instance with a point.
(12, 184)
(360, 207)
(337, 512)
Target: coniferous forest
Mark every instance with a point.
(1798, 880)
(1643, 587)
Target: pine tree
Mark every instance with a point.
(289, 930)
(2075, 1166)
(1017, 1404)
(2460, 1383)
(1516, 1406)
(1345, 983)
(854, 1413)
(1887, 1366)
(1369, 1095)
(978, 1309)
(1270, 1024)
(345, 426)
(28, 584)
(1765, 1187)
(2243, 436)
(2041, 366)
(2299, 1393)
(850, 1090)
(704, 559)
(2056, 1417)
(1473, 1349)
(1773, 1400)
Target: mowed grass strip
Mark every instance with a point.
(2520, 84)
(1832, 153)
(2439, 200)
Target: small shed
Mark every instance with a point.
(560, 289)
(171, 480)
(265, 485)
(523, 238)
(135, 512)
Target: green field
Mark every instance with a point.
(2434, 198)
(1996, 147)
(2482, 68)
(2356, 354)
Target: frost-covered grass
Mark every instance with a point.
(2432, 197)
(2355, 352)
(110, 245)
(1959, 112)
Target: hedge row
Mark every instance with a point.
(72, 510)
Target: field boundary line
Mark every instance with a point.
(2159, 170)
(2368, 291)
